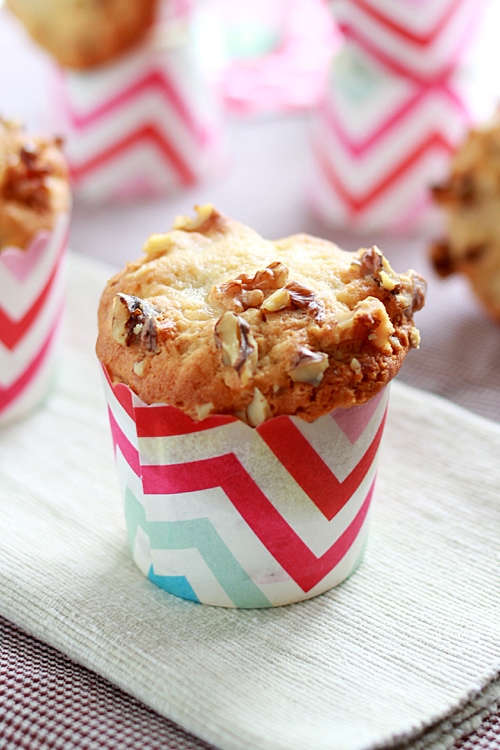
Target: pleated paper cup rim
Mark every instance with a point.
(32, 297)
(229, 515)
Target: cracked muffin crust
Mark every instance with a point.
(34, 184)
(470, 201)
(214, 319)
(82, 34)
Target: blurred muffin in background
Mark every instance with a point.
(35, 202)
(83, 34)
(34, 187)
(470, 200)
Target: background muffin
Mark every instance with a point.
(214, 319)
(34, 187)
(35, 202)
(470, 199)
(82, 34)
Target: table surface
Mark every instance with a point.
(45, 699)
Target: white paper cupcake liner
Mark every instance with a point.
(32, 293)
(225, 514)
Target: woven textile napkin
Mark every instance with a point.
(409, 639)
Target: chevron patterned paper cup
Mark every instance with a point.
(145, 125)
(32, 291)
(424, 40)
(378, 141)
(225, 514)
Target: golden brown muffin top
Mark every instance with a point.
(34, 186)
(83, 34)
(214, 319)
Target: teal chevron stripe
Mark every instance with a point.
(176, 585)
(199, 534)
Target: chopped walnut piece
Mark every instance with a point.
(239, 348)
(414, 337)
(278, 300)
(258, 409)
(303, 298)
(25, 175)
(388, 281)
(412, 294)
(139, 367)
(251, 298)
(204, 410)
(419, 292)
(370, 261)
(309, 367)
(134, 322)
(248, 291)
(371, 316)
(374, 264)
(231, 295)
(274, 276)
(355, 366)
(459, 188)
(206, 216)
(157, 245)
(441, 259)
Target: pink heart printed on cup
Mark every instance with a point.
(247, 383)
(34, 219)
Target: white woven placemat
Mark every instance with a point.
(409, 639)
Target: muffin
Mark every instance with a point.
(34, 188)
(35, 201)
(82, 34)
(246, 383)
(470, 201)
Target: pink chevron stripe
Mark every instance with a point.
(165, 421)
(266, 522)
(19, 262)
(397, 66)
(7, 395)
(358, 147)
(145, 134)
(357, 204)
(12, 331)
(423, 39)
(155, 81)
(122, 393)
(309, 470)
